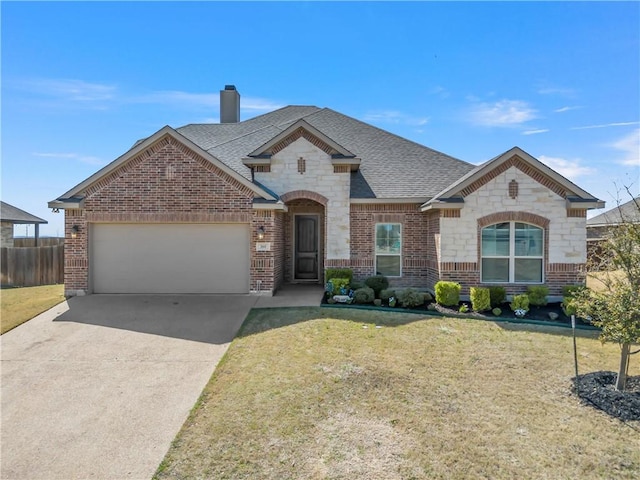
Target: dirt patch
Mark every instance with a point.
(598, 390)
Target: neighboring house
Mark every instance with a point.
(598, 226)
(10, 216)
(245, 206)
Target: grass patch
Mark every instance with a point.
(322, 393)
(21, 304)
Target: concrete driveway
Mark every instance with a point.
(99, 386)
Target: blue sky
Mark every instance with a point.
(81, 82)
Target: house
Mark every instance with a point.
(600, 225)
(245, 206)
(10, 216)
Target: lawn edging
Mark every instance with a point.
(458, 315)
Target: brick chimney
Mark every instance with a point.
(229, 105)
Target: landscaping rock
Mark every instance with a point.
(342, 298)
(553, 316)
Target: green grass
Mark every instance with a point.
(21, 304)
(323, 394)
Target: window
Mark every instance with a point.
(512, 253)
(388, 249)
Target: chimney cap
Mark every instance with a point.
(229, 87)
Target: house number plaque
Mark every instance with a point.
(263, 246)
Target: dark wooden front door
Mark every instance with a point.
(306, 247)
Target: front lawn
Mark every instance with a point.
(21, 304)
(323, 393)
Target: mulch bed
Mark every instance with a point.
(535, 313)
(597, 389)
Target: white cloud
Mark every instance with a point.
(555, 90)
(503, 113)
(606, 125)
(71, 90)
(66, 92)
(566, 109)
(535, 132)
(567, 168)
(395, 117)
(440, 91)
(630, 146)
(71, 156)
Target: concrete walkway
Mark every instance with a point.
(293, 295)
(98, 387)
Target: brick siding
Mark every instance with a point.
(166, 183)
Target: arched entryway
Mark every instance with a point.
(304, 237)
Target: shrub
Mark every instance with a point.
(448, 293)
(355, 285)
(331, 273)
(568, 292)
(363, 295)
(410, 297)
(378, 283)
(377, 302)
(498, 296)
(480, 299)
(496, 311)
(339, 284)
(464, 308)
(537, 295)
(386, 294)
(427, 297)
(520, 302)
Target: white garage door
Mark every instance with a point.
(170, 258)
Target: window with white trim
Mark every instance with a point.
(389, 249)
(512, 252)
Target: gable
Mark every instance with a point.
(454, 195)
(146, 149)
(166, 177)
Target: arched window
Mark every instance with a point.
(512, 252)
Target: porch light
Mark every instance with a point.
(260, 233)
(74, 231)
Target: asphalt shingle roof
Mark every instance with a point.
(391, 166)
(629, 212)
(9, 213)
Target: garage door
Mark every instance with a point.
(170, 258)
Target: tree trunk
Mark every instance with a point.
(622, 371)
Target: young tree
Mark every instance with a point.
(616, 307)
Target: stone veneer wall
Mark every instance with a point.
(7, 234)
(319, 177)
(166, 183)
(565, 230)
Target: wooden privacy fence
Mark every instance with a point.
(31, 266)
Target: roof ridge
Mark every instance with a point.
(400, 137)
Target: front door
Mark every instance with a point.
(306, 247)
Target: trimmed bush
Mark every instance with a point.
(537, 295)
(363, 295)
(480, 299)
(355, 285)
(428, 298)
(339, 284)
(497, 311)
(332, 273)
(498, 296)
(448, 293)
(568, 292)
(378, 283)
(520, 302)
(410, 297)
(386, 294)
